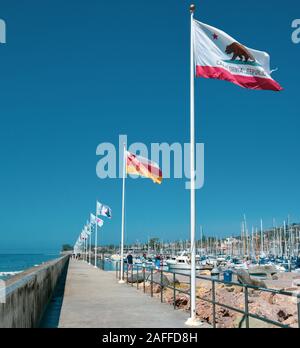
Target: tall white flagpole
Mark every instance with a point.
(96, 238)
(86, 249)
(90, 247)
(201, 240)
(83, 250)
(121, 281)
(262, 238)
(192, 321)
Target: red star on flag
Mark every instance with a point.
(215, 36)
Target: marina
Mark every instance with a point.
(276, 248)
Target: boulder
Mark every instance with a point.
(296, 282)
(253, 323)
(205, 272)
(173, 281)
(156, 289)
(291, 321)
(164, 281)
(133, 278)
(230, 289)
(182, 301)
(244, 278)
(263, 269)
(283, 315)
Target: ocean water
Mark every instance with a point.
(11, 264)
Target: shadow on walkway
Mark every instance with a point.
(51, 316)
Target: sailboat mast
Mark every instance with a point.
(261, 238)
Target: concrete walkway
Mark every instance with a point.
(94, 299)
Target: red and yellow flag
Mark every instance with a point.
(142, 166)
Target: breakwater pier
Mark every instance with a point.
(93, 298)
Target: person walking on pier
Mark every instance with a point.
(157, 261)
(129, 261)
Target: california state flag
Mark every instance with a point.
(139, 165)
(219, 56)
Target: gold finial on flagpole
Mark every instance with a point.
(192, 8)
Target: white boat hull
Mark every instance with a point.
(115, 258)
(183, 266)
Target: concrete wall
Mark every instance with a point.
(28, 293)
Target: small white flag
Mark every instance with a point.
(95, 219)
(103, 210)
(99, 222)
(92, 218)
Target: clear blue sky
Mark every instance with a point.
(74, 74)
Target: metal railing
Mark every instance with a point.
(213, 301)
(100, 261)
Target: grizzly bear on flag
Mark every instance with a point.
(240, 51)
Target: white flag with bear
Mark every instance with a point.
(219, 56)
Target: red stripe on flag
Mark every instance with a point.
(133, 161)
(154, 170)
(250, 82)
